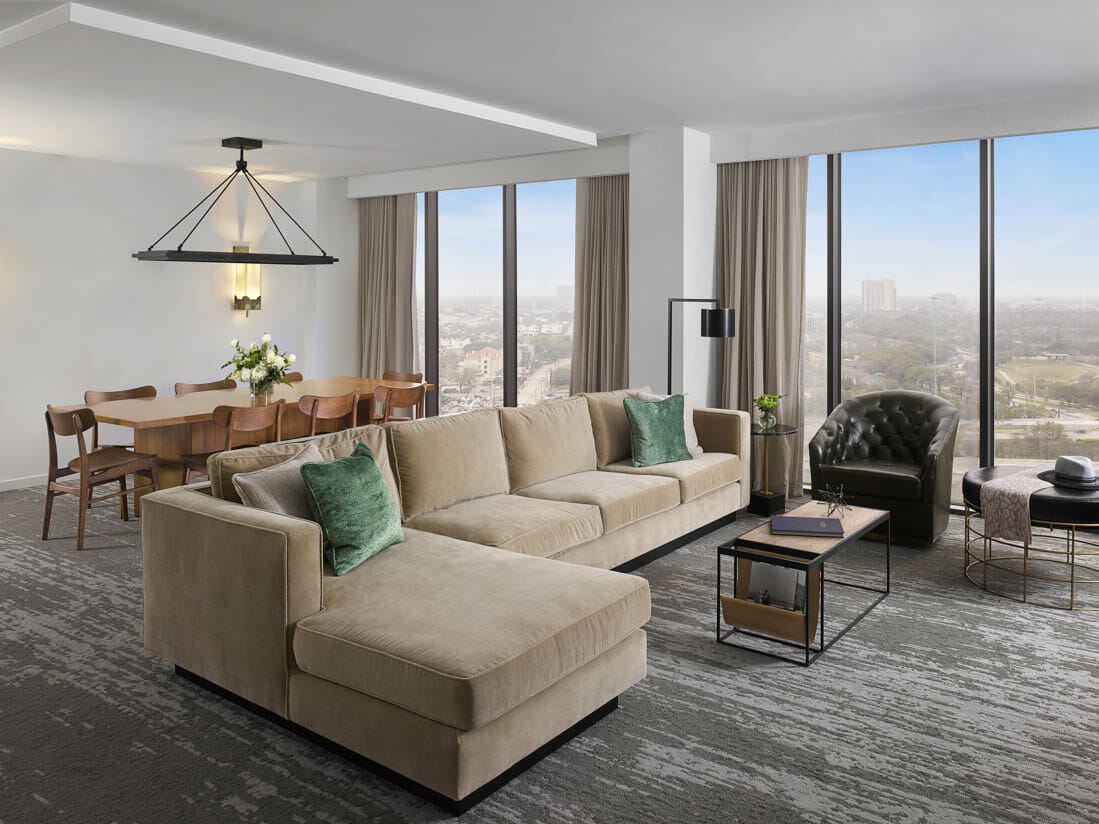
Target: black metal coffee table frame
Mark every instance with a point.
(802, 562)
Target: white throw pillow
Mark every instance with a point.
(279, 488)
(688, 418)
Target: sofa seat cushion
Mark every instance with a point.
(622, 499)
(461, 633)
(880, 479)
(707, 472)
(527, 525)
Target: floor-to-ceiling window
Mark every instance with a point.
(1046, 313)
(911, 279)
(814, 330)
(471, 299)
(545, 243)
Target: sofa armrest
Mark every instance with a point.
(224, 586)
(728, 430)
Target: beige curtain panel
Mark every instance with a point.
(759, 263)
(600, 338)
(387, 284)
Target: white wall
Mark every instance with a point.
(672, 201)
(77, 312)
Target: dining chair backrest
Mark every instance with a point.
(393, 397)
(329, 408)
(189, 388)
(234, 419)
(294, 377)
(93, 396)
(407, 377)
(68, 423)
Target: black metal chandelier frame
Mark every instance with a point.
(197, 256)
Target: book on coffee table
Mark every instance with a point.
(809, 527)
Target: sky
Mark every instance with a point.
(912, 214)
(471, 239)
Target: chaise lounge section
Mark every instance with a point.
(492, 630)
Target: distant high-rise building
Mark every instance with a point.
(879, 295)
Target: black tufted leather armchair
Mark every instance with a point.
(890, 450)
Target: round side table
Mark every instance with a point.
(765, 501)
(1059, 561)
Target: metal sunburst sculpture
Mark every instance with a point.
(835, 500)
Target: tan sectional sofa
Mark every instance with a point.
(459, 656)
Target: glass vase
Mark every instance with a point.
(261, 393)
(767, 418)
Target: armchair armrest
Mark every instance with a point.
(825, 449)
(938, 461)
(224, 586)
(728, 430)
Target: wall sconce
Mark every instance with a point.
(247, 283)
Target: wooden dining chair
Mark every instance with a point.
(407, 377)
(93, 467)
(93, 396)
(234, 419)
(294, 377)
(334, 408)
(189, 388)
(390, 398)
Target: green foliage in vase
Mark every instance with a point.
(260, 364)
(767, 403)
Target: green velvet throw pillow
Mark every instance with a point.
(656, 431)
(351, 502)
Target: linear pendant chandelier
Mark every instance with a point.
(196, 256)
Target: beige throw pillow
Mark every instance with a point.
(279, 488)
(688, 419)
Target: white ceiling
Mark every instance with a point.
(611, 67)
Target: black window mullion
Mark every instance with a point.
(987, 364)
(431, 299)
(834, 288)
(511, 309)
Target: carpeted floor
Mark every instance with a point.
(946, 704)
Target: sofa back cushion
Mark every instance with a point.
(441, 461)
(224, 465)
(547, 441)
(609, 425)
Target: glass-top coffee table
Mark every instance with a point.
(791, 618)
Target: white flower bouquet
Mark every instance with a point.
(261, 364)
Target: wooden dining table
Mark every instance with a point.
(170, 426)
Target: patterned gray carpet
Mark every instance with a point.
(946, 704)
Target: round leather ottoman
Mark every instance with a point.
(1054, 565)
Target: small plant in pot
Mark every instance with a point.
(261, 364)
(767, 404)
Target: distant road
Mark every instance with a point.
(537, 383)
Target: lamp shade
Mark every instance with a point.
(247, 283)
(718, 323)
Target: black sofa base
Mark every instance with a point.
(675, 543)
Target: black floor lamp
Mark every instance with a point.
(716, 323)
